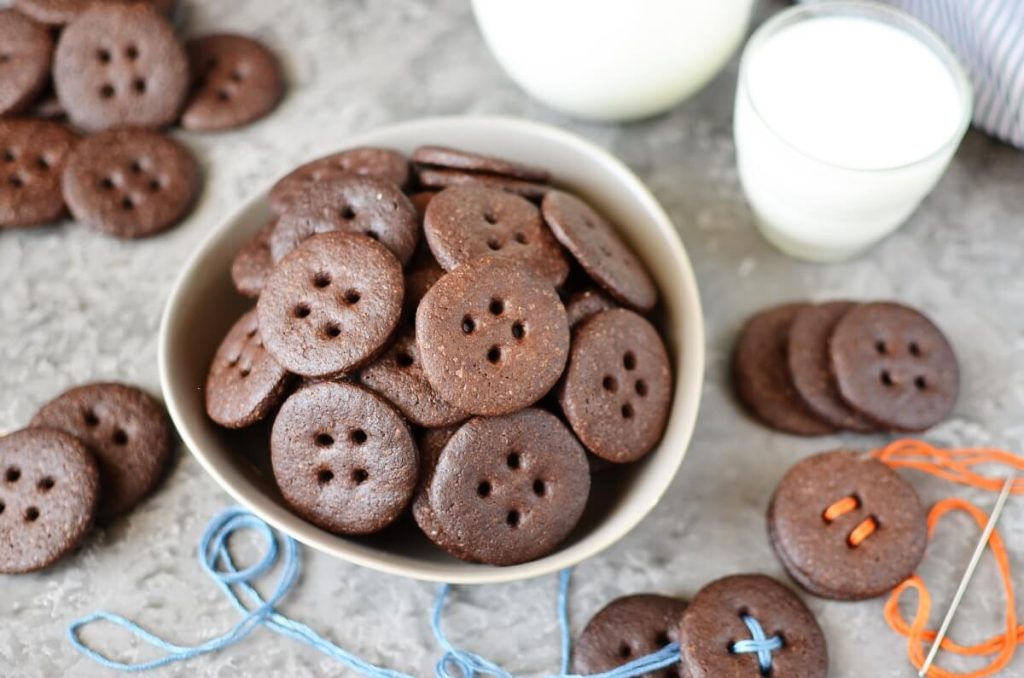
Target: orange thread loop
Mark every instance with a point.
(841, 507)
(865, 529)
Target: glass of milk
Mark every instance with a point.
(847, 113)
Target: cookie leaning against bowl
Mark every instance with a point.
(626, 629)
(343, 458)
(378, 163)
(331, 305)
(463, 223)
(24, 62)
(617, 387)
(119, 65)
(125, 428)
(761, 374)
(49, 490)
(244, 383)
(33, 154)
(130, 182)
(253, 263)
(235, 81)
(894, 366)
(508, 489)
(604, 256)
(493, 337)
(729, 610)
(846, 526)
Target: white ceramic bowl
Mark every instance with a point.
(203, 305)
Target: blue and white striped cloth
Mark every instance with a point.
(988, 36)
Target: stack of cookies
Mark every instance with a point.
(814, 369)
(118, 72)
(452, 334)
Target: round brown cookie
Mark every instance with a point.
(600, 251)
(493, 338)
(463, 223)
(343, 458)
(420, 200)
(618, 385)
(761, 374)
(713, 623)
(32, 156)
(125, 428)
(119, 65)
(431, 442)
(453, 158)
(379, 163)
(130, 182)
(253, 263)
(439, 179)
(351, 204)
(423, 272)
(331, 305)
(26, 49)
(244, 382)
(61, 12)
(509, 489)
(846, 526)
(810, 365)
(398, 376)
(235, 80)
(49, 489)
(625, 630)
(894, 366)
(582, 305)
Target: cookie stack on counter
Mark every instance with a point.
(118, 73)
(814, 369)
(452, 334)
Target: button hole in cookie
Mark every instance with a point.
(42, 163)
(490, 218)
(301, 311)
(347, 212)
(31, 514)
(90, 418)
(2, 507)
(370, 233)
(324, 440)
(13, 474)
(46, 484)
(468, 325)
(539, 488)
(127, 203)
(107, 183)
(640, 387)
(136, 167)
(120, 437)
(494, 244)
(881, 348)
(103, 55)
(627, 411)
(244, 372)
(139, 86)
(483, 489)
(518, 330)
(324, 476)
(914, 348)
(9, 155)
(360, 476)
(625, 651)
(920, 382)
(629, 360)
(403, 359)
(886, 378)
(512, 519)
(493, 354)
(358, 436)
(352, 297)
(16, 181)
(522, 239)
(223, 95)
(496, 307)
(154, 185)
(131, 52)
(237, 76)
(332, 331)
(321, 280)
(513, 460)
(107, 91)
(4, 57)
(610, 383)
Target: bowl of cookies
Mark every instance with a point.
(464, 349)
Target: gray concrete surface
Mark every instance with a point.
(76, 306)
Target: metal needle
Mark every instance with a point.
(968, 574)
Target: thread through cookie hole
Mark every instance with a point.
(358, 436)
(13, 474)
(120, 437)
(324, 476)
(31, 514)
(360, 476)
(610, 383)
(46, 483)
(483, 490)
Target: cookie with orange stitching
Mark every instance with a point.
(846, 526)
(379, 163)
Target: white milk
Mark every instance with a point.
(847, 114)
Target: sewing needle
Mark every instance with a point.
(968, 574)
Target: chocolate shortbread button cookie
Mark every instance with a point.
(493, 337)
(420, 200)
(509, 489)
(431, 442)
(49, 486)
(235, 80)
(625, 630)
(331, 305)
(130, 183)
(894, 366)
(464, 223)
(618, 385)
(33, 154)
(26, 49)
(730, 619)
(61, 12)
(378, 163)
(582, 305)
(453, 158)
(244, 382)
(762, 378)
(253, 263)
(125, 428)
(398, 376)
(599, 250)
(423, 272)
(810, 365)
(120, 65)
(846, 526)
(430, 177)
(343, 458)
(350, 204)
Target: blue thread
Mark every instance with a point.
(217, 562)
(758, 643)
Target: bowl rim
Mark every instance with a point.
(691, 337)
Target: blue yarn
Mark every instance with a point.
(758, 643)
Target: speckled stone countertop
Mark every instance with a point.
(76, 306)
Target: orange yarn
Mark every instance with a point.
(957, 466)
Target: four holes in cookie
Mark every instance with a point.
(46, 483)
(494, 354)
(358, 436)
(324, 476)
(359, 476)
(31, 514)
(13, 474)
